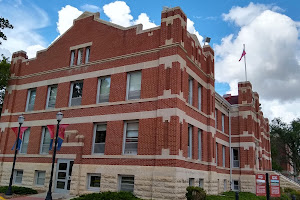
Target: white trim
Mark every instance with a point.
(199, 144)
(199, 97)
(64, 156)
(36, 177)
(23, 136)
(190, 141)
(223, 155)
(15, 175)
(124, 135)
(89, 182)
(79, 46)
(99, 88)
(42, 140)
(94, 136)
(28, 97)
(48, 96)
(71, 92)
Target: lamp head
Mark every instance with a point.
(21, 119)
(59, 116)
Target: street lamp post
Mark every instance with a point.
(59, 117)
(9, 189)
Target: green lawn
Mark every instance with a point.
(231, 196)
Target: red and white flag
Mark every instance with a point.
(243, 54)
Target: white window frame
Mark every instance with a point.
(71, 92)
(94, 136)
(201, 182)
(120, 181)
(235, 161)
(79, 56)
(99, 87)
(223, 123)
(190, 141)
(48, 96)
(224, 155)
(28, 97)
(216, 154)
(37, 177)
(87, 54)
(199, 144)
(190, 96)
(89, 175)
(225, 185)
(23, 136)
(72, 58)
(15, 176)
(234, 185)
(128, 84)
(216, 119)
(42, 140)
(191, 182)
(200, 97)
(124, 137)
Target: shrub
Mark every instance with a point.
(18, 190)
(289, 190)
(108, 196)
(195, 193)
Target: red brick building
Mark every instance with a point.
(143, 113)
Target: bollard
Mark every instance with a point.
(293, 197)
(237, 196)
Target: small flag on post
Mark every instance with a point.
(16, 129)
(51, 132)
(243, 54)
(61, 135)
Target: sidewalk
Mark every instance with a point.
(42, 196)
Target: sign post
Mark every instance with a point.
(275, 185)
(260, 185)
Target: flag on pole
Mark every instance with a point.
(243, 54)
(51, 132)
(61, 135)
(16, 129)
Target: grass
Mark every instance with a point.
(231, 196)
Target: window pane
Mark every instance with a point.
(79, 58)
(77, 93)
(52, 96)
(199, 97)
(127, 183)
(31, 99)
(94, 181)
(104, 89)
(40, 177)
(87, 54)
(99, 144)
(72, 57)
(190, 99)
(25, 141)
(134, 91)
(46, 141)
(131, 141)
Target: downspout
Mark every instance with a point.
(230, 151)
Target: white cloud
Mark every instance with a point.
(191, 28)
(119, 13)
(65, 18)
(31, 50)
(24, 35)
(91, 8)
(272, 46)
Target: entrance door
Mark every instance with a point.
(63, 175)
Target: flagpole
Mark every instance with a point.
(245, 63)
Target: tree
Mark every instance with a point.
(4, 76)
(285, 141)
(4, 23)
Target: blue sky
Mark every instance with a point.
(270, 30)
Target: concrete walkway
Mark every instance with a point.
(42, 196)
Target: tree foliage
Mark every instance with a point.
(4, 23)
(285, 141)
(4, 76)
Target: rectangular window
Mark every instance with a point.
(51, 99)
(45, 143)
(225, 185)
(199, 144)
(30, 99)
(236, 185)
(216, 118)
(190, 141)
(223, 155)
(216, 153)
(79, 57)
(126, 183)
(131, 138)
(87, 54)
(72, 57)
(40, 177)
(134, 85)
(25, 141)
(99, 139)
(190, 98)
(94, 181)
(223, 123)
(236, 157)
(201, 182)
(76, 93)
(200, 97)
(191, 182)
(18, 176)
(103, 89)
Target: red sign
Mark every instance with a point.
(275, 186)
(260, 185)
